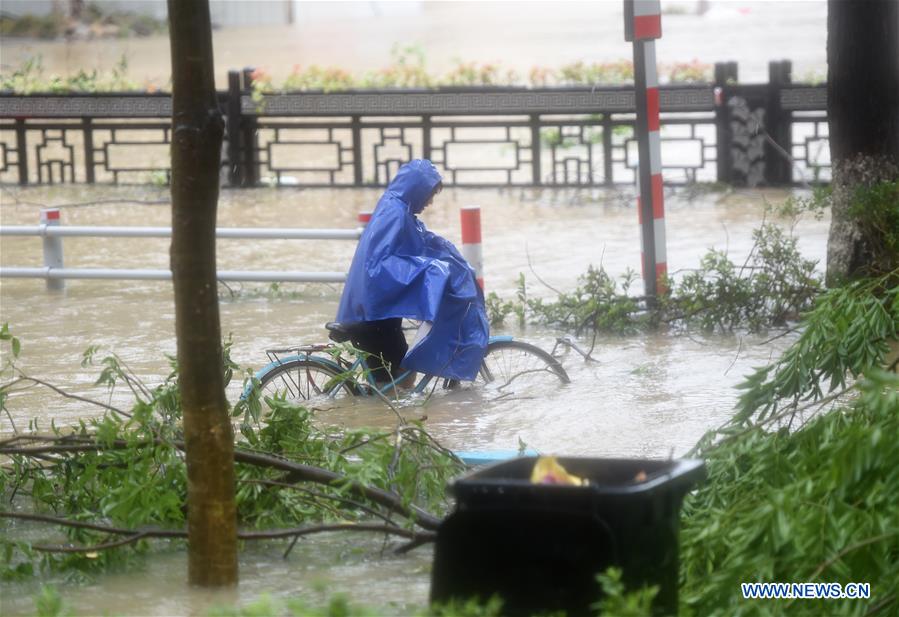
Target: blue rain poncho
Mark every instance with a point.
(401, 269)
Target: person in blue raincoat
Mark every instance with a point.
(402, 270)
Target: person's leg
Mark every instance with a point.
(394, 345)
(386, 345)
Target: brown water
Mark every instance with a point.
(650, 395)
(359, 36)
(551, 234)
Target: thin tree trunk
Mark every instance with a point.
(197, 129)
(863, 117)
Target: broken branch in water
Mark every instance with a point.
(295, 472)
(133, 535)
(23, 377)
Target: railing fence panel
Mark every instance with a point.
(773, 134)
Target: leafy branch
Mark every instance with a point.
(125, 471)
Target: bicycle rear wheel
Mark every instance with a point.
(306, 381)
(516, 366)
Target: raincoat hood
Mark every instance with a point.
(414, 183)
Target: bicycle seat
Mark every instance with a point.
(338, 332)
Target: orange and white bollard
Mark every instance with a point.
(471, 240)
(52, 247)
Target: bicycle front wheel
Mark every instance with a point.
(306, 381)
(515, 366)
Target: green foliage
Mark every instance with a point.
(773, 287)
(483, 74)
(693, 72)
(471, 608)
(326, 79)
(815, 204)
(813, 77)
(597, 304)
(95, 19)
(406, 70)
(49, 604)
(7, 369)
(618, 602)
(876, 209)
(820, 504)
(846, 334)
(30, 78)
(817, 503)
(554, 138)
(407, 462)
(339, 605)
(136, 478)
(47, 26)
(498, 309)
(15, 348)
(581, 73)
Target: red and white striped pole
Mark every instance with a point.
(364, 217)
(642, 25)
(471, 240)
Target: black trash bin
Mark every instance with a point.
(539, 546)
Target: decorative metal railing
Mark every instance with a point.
(773, 134)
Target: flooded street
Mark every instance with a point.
(360, 36)
(648, 396)
(639, 399)
(651, 395)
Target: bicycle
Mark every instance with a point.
(310, 373)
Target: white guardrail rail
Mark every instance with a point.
(55, 273)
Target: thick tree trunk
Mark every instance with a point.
(197, 129)
(863, 117)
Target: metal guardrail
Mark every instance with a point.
(257, 276)
(55, 273)
(255, 233)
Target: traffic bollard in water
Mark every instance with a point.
(53, 256)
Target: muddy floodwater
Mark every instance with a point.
(646, 395)
(651, 395)
(361, 37)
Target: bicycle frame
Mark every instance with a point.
(342, 365)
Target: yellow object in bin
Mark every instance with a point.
(547, 470)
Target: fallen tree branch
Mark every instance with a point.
(298, 473)
(525, 372)
(320, 495)
(23, 377)
(792, 410)
(133, 535)
(94, 548)
(845, 551)
(422, 539)
(295, 472)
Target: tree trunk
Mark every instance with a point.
(197, 129)
(863, 118)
